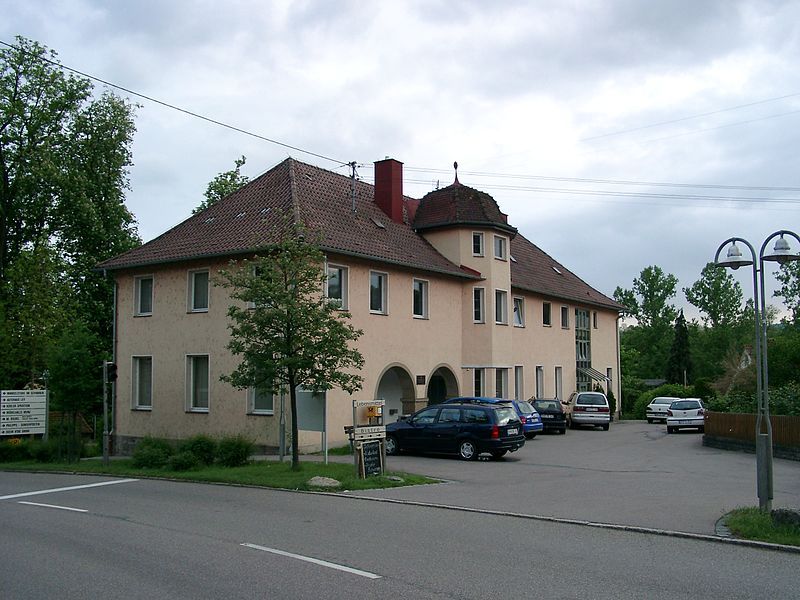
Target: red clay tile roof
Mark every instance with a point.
(459, 204)
(535, 271)
(247, 220)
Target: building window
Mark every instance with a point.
(519, 384)
(565, 317)
(540, 382)
(478, 302)
(198, 291)
(377, 292)
(501, 307)
(337, 285)
(500, 247)
(142, 382)
(594, 319)
(519, 312)
(197, 378)
(144, 295)
(260, 401)
(420, 299)
(559, 384)
(478, 382)
(546, 321)
(501, 383)
(477, 243)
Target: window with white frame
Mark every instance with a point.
(559, 381)
(142, 382)
(501, 383)
(501, 307)
(546, 317)
(539, 382)
(477, 381)
(337, 285)
(519, 383)
(260, 401)
(420, 299)
(377, 292)
(478, 305)
(565, 317)
(198, 291)
(197, 382)
(500, 250)
(477, 243)
(143, 293)
(519, 312)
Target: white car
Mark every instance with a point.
(657, 409)
(587, 408)
(686, 412)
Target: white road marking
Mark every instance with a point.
(66, 489)
(316, 561)
(83, 510)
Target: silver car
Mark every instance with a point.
(686, 412)
(587, 408)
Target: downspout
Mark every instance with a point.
(619, 373)
(113, 358)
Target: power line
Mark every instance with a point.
(174, 107)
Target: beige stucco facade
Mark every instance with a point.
(408, 359)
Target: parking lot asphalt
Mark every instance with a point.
(634, 474)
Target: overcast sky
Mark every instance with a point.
(679, 92)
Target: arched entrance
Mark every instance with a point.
(442, 385)
(395, 387)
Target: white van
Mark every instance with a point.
(587, 408)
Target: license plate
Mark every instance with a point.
(512, 432)
(590, 409)
(548, 416)
(684, 422)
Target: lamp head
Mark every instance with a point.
(734, 259)
(782, 253)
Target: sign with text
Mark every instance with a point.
(23, 412)
(373, 432)
(370, 459)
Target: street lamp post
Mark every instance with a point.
(781, 254)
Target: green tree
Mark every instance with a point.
(789, 277)
(223, 184)
(64, 159)
(293, 336)
(75, 382)
(679, 365)
(718, 296)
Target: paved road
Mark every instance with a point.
(633, 474)
(159, 539)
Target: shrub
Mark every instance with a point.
(784, 400)
(152, 453)
(183, 461)
(44, 452)
(234, 450)
(668, 389)
(14, 449)
(202, 447)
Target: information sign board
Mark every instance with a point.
(23, 412)
(371, 458)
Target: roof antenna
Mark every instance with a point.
(352, 166)
(455, 166)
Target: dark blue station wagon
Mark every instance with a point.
(464, 429)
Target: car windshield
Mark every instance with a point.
(663, 400)
(504, 415)
(592, 399)
(547, 405)
(524, 408)
(685, 405)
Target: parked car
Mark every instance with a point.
(463, 429)
(531, 420)
(587, 408)
(551, 413)
(657, 409)
(686, 412)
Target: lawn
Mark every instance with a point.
(752, 524)
(263, 474)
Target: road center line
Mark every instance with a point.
(67, 489)
(82, 510)
(316, 561)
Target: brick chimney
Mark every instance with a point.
(389, 188)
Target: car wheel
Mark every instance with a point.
(467, 450)
(391, 445)
(605, 427)
(563, 431)
(530, 436)
(572, 424)
(670, 429)
(702, 429)
(650, 421)
(498, 454)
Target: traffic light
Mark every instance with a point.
(111, 371)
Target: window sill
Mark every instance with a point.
(421, 317)
(546, 325)
(137, 315)
(261, 413)
(479, 322)
(378, 312)
(501, 323)
(519, 326)
(198, 411)
(142, 409)
(197, 310)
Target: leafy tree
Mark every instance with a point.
(789, 277)
(679, 365)
(223, 184)
(718, 296)
(293, 336)
(75, 382)
(64, 159)
(648, 300)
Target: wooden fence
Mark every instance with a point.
(737, 430)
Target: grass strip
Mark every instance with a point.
(753, 524)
